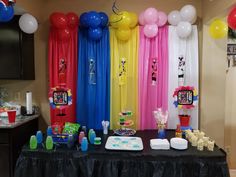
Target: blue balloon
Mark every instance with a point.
(93, 19)
(6, 13)
(84, 19)
(104, 19)
(95, 33)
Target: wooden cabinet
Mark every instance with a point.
(16, 52)
(11, 142)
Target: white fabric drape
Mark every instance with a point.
(188, 48)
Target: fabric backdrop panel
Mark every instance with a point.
(189, 49)
(124, 76)
(153, 76)
(93, 103)
(67, 50)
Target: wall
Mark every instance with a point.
(218, 98)
(42, 10)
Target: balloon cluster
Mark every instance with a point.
(152, 19)
(123, 22)
(28, 23)
(64, 24)
(183, 19)
(232, 19)
(94, 21)
(6, 12)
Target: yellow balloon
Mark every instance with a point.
(114, 19)
(134, 19)
(218, 29)
(125, 19)
(123, 34)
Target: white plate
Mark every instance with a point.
(179, 143)
(124, 143)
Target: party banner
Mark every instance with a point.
(153, 76)
(124, 76)
(93, 90)
(62, 63)
(183, 71)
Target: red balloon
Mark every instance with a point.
(73, 20)
(232, 19)
(64, 34)
(59, 20)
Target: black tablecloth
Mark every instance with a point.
(98, 162)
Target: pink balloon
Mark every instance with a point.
(151, 15)
(162, 18)
(141, 19)
(150, 31)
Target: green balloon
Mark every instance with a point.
(33, 142)
(49, 143)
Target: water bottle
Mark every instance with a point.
(49, 131)
(92, 137)
(33, 142)
(39, 136)
(84, 144)
(49, 143)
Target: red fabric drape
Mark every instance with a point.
(67, 50)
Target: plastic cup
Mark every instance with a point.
(11, 116)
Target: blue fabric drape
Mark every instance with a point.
(93, 90)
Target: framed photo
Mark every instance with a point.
(60, 98)
(185, 97)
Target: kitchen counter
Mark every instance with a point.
(19, 121)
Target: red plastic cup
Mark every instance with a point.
(184, 120)
(11, 116)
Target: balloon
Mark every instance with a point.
(73, 20)
(93, 19)
(64, 34)
(150, 31)
(114, 19)
(141, 19)
(6, 12)
(174, 18)
(95, 33)
(84, 19)
(162, 18)
(134, 20)
(218, 29)
(184, 29)
(125, 20)
(188, 13)
(28, 23)
(123, 34)
(59, 20)
(104, 19)
(232, 19)
(151, 15)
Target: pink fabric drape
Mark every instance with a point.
(153, 76)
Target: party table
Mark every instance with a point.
(99, 162)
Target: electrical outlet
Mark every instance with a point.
(227, 149)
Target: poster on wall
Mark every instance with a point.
(231, 48)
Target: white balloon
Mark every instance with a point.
(184, 29)
(188, 13)
(174, 17)
(28, 23)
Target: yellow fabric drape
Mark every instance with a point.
(124, 77)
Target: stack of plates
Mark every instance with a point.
(179, 143)
(160, 144)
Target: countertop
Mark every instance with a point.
(19, 121)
